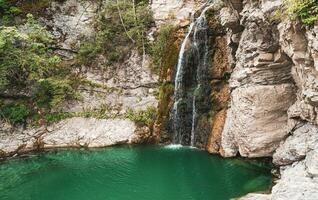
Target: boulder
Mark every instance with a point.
(257, 120)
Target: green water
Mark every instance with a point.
(130, 173)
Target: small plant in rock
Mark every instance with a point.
(143, 117)
(305, 10)
(14, 113)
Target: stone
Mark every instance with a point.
(72, 132)
(69, 20)
(230, 19)
(302, 140)
(295, 184)
(173, 11)
(257, 120)
(311, 162)
(254, 196)
(269, 6)
(214, 142)
(89, 132)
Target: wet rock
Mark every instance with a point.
(214, 142)
(253, 196)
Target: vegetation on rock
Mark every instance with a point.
(29, 67)
(120, 26)
(305, 10)
(159, 47)
(14, 112)
(143, 117)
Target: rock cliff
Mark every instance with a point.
(263, 75)
(272, 111)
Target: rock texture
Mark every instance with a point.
(273, 107)
(131, 85)
(74, 132)
(304, 138)
(296, 183)
(127, 86)
(262, 87)
(69, 20)
(257, 120)
(177, 12)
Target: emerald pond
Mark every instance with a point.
(131, 173)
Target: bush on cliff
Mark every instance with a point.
(120, 26)
(30, 68)
(305, 10)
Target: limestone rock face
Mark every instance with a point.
(174, 11)
(295, 184)
(89, 132)
(296, 146)
(263, 120)
(312, 162)
(257, 120)
(116, 89)
(74, 132)
(262, 89)
(128, 86)
(69, 20)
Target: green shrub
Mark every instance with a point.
(144, 117)
(118, 29)
(305, 10)
(28, 66)
(51, 92)
(7, 12)
(25, 56)
(14, 112)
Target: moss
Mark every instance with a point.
(214, 23)
(168, 61)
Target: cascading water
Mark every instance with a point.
(191, 81)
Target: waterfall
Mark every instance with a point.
(190, 80)
(194, 113)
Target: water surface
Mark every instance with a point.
(130, 173)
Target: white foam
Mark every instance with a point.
(174, 146)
